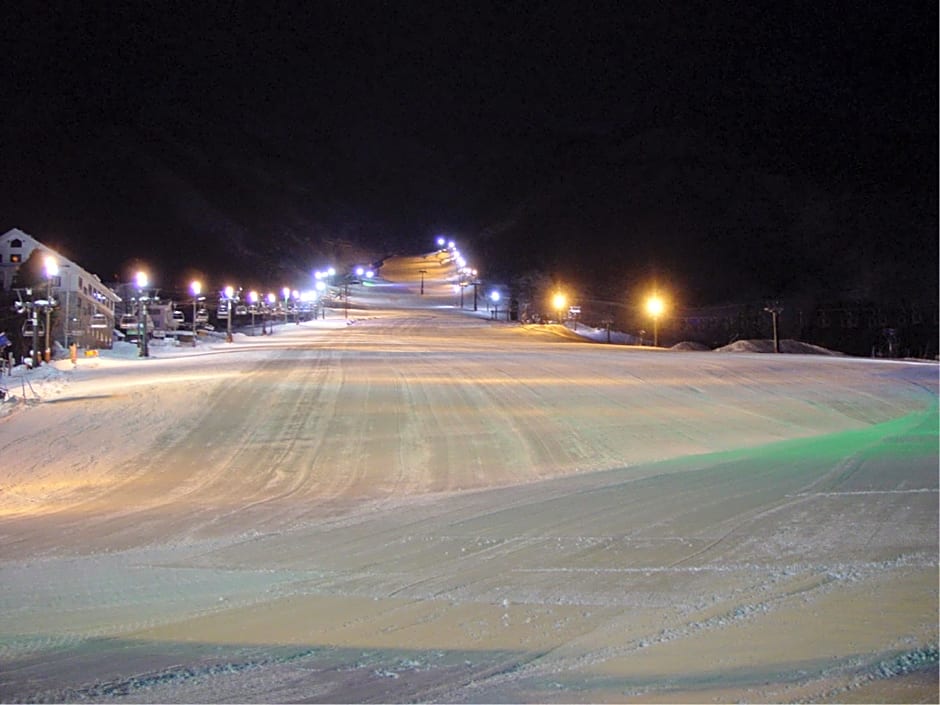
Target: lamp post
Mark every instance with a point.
(196, 288)
(229, 295)
(775, 309)
(558, 303)
(52, 269)
(422, 272)
(494, 297)
(253, 306)
(320, 308)
(286, 292)
(655, 308)
(143, 349)
(272, 302)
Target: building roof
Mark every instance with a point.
(30, 243)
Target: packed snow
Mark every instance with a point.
(408, 501)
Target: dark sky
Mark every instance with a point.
(165, 132)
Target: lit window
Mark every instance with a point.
(16, 259)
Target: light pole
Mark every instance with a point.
(558, 303)
(196, 288)
(253, 305)
(494, 297)
(655, 308)
(272, 302)
(52, 269)
(422, 272)
(775, 309)
(229, 295)
(143, 349)
(286, 292)
(320, 307)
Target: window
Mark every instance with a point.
(16, 243)
(16, 259)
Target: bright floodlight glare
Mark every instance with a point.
(285, 291)
(196, 288)
(318, 275)
(495, 296)
(452, 244)
(360, 271)
(253, 297)
(52, 267)
(440, 242)
(229, 292)
(141, 280)
(331, 272)
(320, 286)
(271, 297)
(370, 274)
(655, 306)
(558, 301)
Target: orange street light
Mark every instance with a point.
(655, 307)
(558, 303)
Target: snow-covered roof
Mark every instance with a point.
(29, 243)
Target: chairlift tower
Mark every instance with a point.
(775, 309)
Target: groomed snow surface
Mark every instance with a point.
(422, 504)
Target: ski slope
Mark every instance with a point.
(418, 503)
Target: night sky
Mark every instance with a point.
(735, 150)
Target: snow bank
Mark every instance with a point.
(689, 346)
(767, 346)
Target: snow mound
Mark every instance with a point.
(689, 346)
(767, 346)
